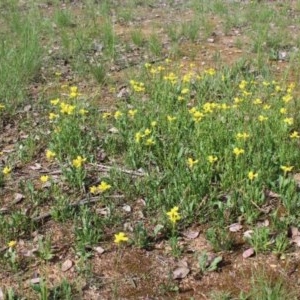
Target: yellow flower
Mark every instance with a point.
(78, 161)
(104, 186)
(138, 136)
(197, 116)
(184, 91)
(266, 107)
(237, 100)
(174, 215)
(118, 114)
(83, 111)
(53, 116)
(257, 101)
(6, 170)
(252, 175)
(288, 121)
(149, 142)
(171, 119)
(120, 237)
(287, 98)
(283, 110)
(2, 106)
(212, 158)
(243, 84)
(132, 113)
(50, 154)
(54, 101)
(44, 178)
(73, 92)
(147, 131)
(93, 190)
(262, 118)
(147, 65)
(66, 108)
(190, 162)
(12, 244)
(210, 71)
(106, 115)
(238, 151)
(153, 123)
(242, 136)
(58, 74)
(294, 135)
(286, 169)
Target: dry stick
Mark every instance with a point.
(92, 200)
(105, 168)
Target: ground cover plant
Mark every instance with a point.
(149, 149)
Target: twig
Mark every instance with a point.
(104, 168)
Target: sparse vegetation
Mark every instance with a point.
(149, 148)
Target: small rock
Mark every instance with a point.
(180, 272)
(67, 265)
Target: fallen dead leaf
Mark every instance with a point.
(180, 272)
(191, 234)
(235, 227)
(35, 167)
(248, 253)
(18, 197)
(67, 265)
(99, 250)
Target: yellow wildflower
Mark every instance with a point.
(2, 106)
(262, 118)
(184, 91)
(93, 190)
(238, 151)
(294, 135)
(266, 107)
(210, 71)
(212, 158)
(53, 116)
(243, 84)
(286, 169)
(252, 175)
(120, 237)
(6, 170)
(118, 114)
(257, 101)
(287, 98)
(288, 121)
(171, 118)
(12, 244)
(138, 136)
(242, 136)
(83, 111)
(54, 101)
(191, 162)
(106, 115)
(283, 111)
(153, 123)
(174, 215)
(50, 154)
(197, 116)
(66, 108)
(44, 178)
(149, 142)
(78, 161)
(147, 131)
(103, 186)
(132, 113)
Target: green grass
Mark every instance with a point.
(189, 145)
